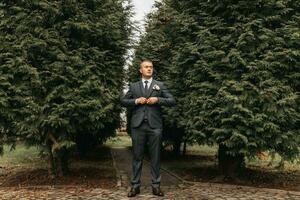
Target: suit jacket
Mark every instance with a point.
(153, 112)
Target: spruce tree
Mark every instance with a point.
(61, 73)
(235, 70)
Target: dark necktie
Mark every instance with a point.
(146, 109)
(146, 87)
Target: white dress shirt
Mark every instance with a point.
(144, 84)
(149, 82)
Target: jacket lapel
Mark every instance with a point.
(141, 88)
(150, 88)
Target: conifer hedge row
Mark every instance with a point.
(234, 69)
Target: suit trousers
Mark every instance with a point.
(141, 136)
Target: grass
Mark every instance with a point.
(24, 167)
(123, 140)
(267, 162)
(200, 164)
(20, 157)
(270, 163)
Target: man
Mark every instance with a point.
(146, 98)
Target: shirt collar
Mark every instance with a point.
(149, 80)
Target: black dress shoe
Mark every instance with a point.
(133, 192)
(157, 191)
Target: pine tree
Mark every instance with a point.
(61, 73)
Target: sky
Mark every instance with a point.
(141, 9)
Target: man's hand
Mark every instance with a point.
(141, 100)
(152, 100)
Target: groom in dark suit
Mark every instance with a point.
(146, 98)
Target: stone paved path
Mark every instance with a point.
(122, 161)
(201, 191)
(185, 190)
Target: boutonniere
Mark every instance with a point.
(156, 87)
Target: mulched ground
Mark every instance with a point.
(204, 169)
(92, 172)
(97, 171)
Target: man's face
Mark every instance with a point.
(146, 69)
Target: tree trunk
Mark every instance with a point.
(51, 163)
(58, 161)
(230, 166)
(63, 162)
(176, 147)
(85, 143)
(184, 147)
(177, 138)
